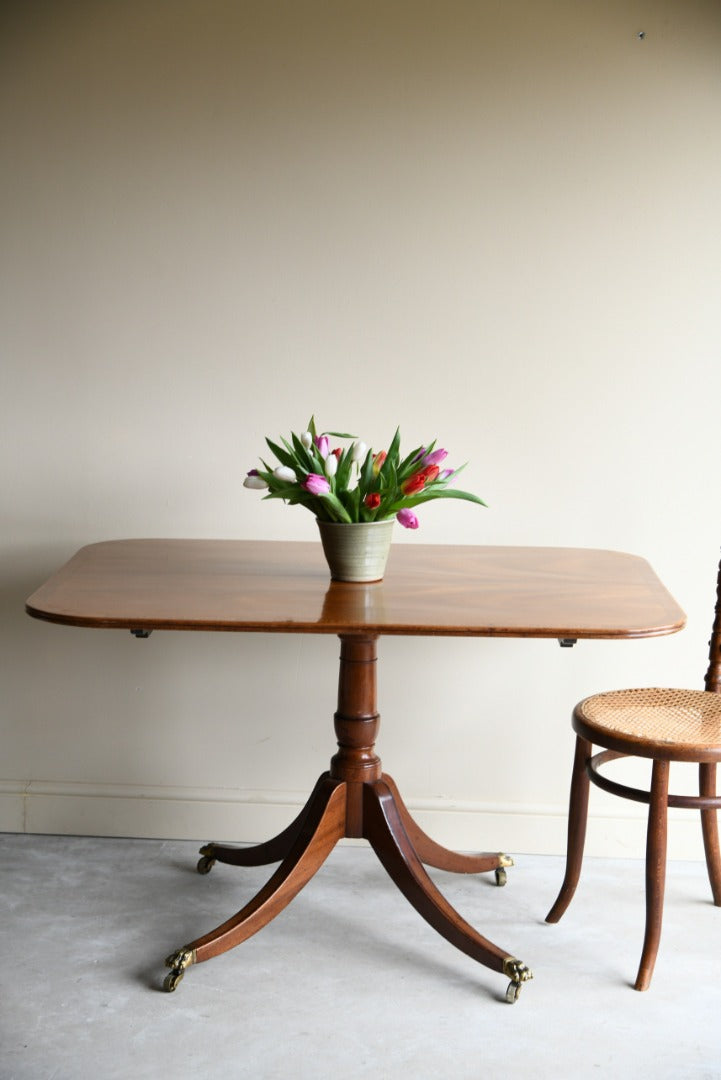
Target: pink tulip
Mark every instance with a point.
(323, 446)
(407, 518)
(435, 458)
(315, 484)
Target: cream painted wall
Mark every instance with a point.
(497, 223)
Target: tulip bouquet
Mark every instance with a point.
(353, 484)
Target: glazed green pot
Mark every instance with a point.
(356, 552)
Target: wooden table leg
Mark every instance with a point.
(353, 799)
(260, 854)
(433, 854)
(385, 831)
(323, 827)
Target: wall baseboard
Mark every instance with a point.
(181, 813)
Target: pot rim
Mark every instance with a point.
(354, 524)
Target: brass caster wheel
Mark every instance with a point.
(171, 980)
(504, 861)
(518, 974)
(206, 862)
(177, 962)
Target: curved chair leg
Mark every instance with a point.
(269, 851)
(655, 871)
(384, 829)
(709, 825)
(434, 854)
(577, 818)
(324, 826)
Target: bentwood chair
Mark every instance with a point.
(664, 725)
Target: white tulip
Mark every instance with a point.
(331, 465)
(358, 451)
(255, 482)
(307, 439)
(284, 473)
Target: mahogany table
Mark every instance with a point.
(276, 587)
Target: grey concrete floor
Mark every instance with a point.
(348, 981)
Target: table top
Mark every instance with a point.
(284, 587)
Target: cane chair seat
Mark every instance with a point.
(665, 725)
(654, 722)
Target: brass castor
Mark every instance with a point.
(206, 862)
(171, 980)
(177, 962)
(518, 973)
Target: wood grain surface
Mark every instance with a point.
(284, 587)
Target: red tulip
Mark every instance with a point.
(414, 483)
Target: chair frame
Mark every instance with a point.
(586, 771)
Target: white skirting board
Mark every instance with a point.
(617, 830)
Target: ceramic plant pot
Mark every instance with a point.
(356, 552)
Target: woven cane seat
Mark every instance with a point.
(656, 722)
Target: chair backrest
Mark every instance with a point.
(713, 675)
